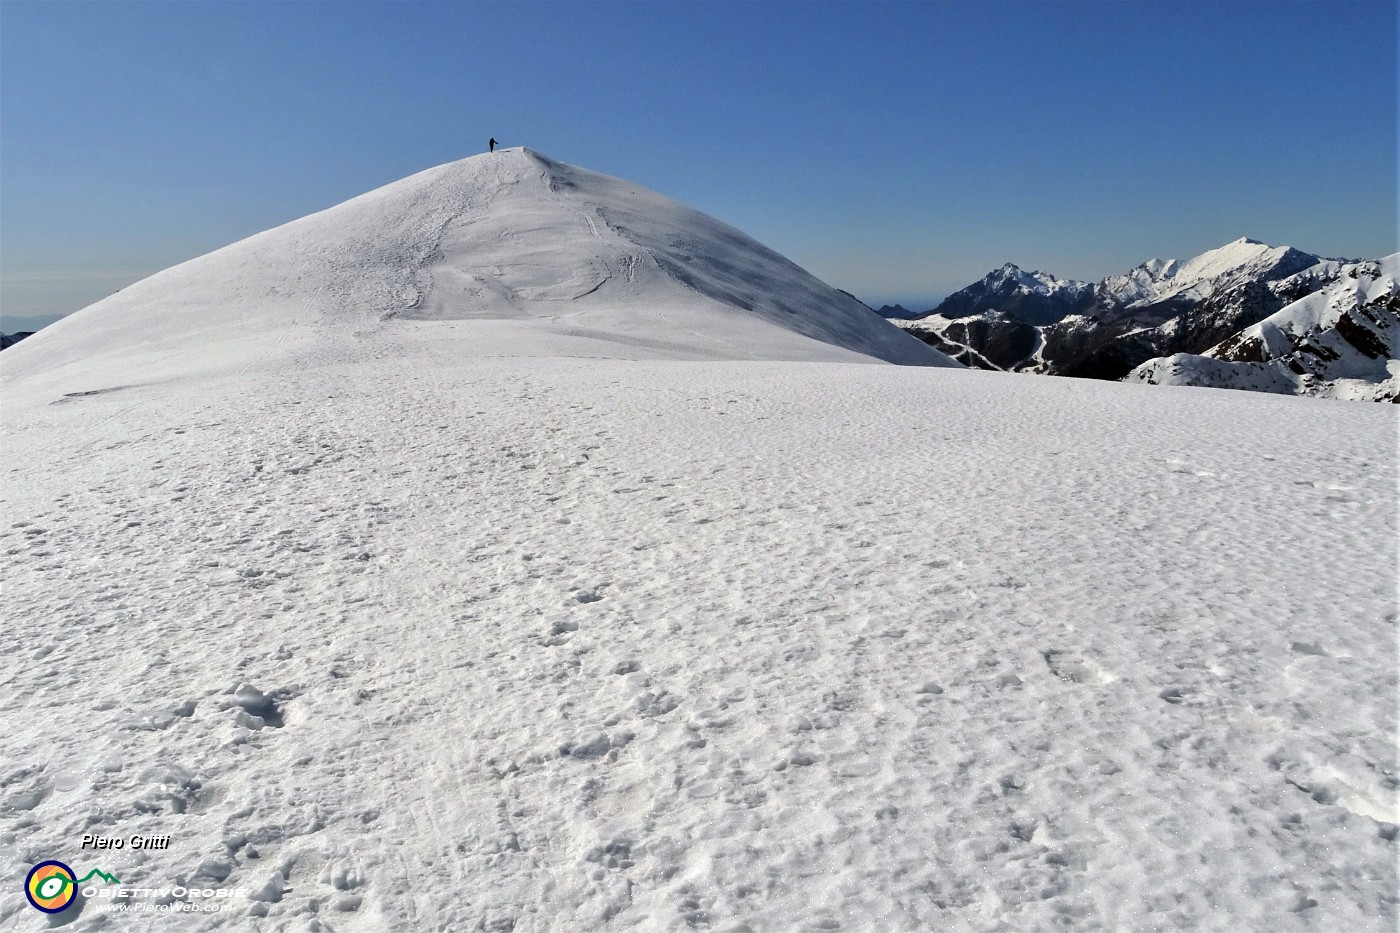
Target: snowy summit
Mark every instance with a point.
(1242, 260)
(528, 255)
(1035, 297)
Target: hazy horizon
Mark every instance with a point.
(98, 288)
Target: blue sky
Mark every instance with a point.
(899, 151)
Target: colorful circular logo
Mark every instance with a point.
(51, 886)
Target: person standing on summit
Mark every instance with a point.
(492, 144)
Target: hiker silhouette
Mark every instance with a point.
(493, 144)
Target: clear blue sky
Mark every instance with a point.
(898, 151)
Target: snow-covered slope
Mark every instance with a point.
(1001, 340)
(420, 624)
(934, 331)
(1342, 341)
(531, 256)
(412, 642)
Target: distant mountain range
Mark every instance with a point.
(1034, 322)
(893, 312)
(13, 328)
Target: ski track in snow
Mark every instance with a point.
(554, 644)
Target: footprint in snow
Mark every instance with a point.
(255, 708)
(559, 633)
(1180, 466)
(1176, 695)
(1334, 492)
(1075, 669)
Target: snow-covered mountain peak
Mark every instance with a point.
(1013, 276)
(1034, 297)
(1197, 278)
(529, 256)
(1009, 272)
(1239, 255)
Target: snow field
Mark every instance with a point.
(564, 644)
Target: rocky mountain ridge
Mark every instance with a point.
(1338, 341)
(1157, 310)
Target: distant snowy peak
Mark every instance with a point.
(1196, 279)
(1011, 277)
(1340, 341)
(1141, 283)
(1033, 297)
(1014, 277)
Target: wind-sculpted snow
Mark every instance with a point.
(331, 558)
(403, 642)
(536, 257)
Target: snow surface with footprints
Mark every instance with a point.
(574, 644)
(511, 548)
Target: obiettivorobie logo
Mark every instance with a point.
(53, 887)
